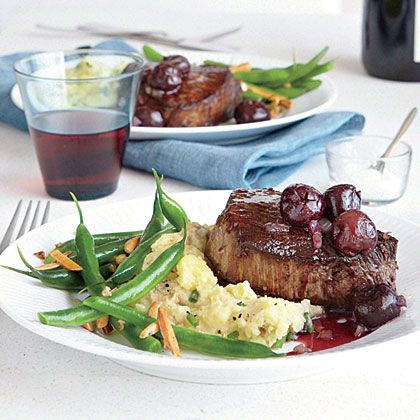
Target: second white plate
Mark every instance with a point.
(303, 107)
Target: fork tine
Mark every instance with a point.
(35, 218)
(25, 220)
(9, 232)
(46, 213)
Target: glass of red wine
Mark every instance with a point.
(79, 105)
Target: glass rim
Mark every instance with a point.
(133, 55)
(336, 142)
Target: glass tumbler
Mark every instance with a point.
(79, 105)
(357, 160)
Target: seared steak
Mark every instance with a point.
(208, 96)
(250, 241)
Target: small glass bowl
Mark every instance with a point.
(350, 161)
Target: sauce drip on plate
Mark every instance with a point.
(332, 330)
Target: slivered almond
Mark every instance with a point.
(65, 261)
(286, 103)
(120, 258)
(40, 255)
(153, 310)
(90, 326)
(240, 67)
(266, 94)
(151, 329)
(121, 324)
(131, 244)
(168, 332)
(107, 292)
(102, 322)
(48, 266)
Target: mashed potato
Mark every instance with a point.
(220, 310)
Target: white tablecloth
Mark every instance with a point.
(40, 379)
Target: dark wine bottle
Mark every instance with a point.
(391, 39)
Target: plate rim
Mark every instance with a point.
(165, 360)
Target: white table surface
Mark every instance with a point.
(40, 379)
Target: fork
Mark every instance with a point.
(205, 43)
(7, 238)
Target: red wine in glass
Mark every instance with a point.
(80, 151)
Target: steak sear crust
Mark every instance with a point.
(251, 241)
(208, 96)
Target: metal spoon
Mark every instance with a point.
(379, 165)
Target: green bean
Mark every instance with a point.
(252, 96)
(266, 89)
(193, 298)
(157, 220)
(107, 270)
(17, 270)
(192, 319)
(298, 88)
(290, 93)
(308, 323)
(58, 279)
(290, 336)
(133, 264)
(308, 85)
(319, 69)
(100, 239)
(279, 343)
(131, 333)
(262, 76)
(187, 338)
(151, 54)
(234, 335)
(302, 70)
(85, 249)
(125, 294)
(214, 63)
(170, 208)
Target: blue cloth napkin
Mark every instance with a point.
(265, 161)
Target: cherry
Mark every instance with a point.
(251, 111)
(300, 204)
(353, 233)
(376, 305)
(341, 198)
(165, 77)
(148, 117)
(180, 63)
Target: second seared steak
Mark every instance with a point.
(250, 241)
(208, 96)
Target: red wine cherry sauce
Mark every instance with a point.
(80, 151)
(332, 330)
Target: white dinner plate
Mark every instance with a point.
(22, 297)
(303, 107)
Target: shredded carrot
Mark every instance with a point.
(102, 322)
(65, 261)
(151, 329)
(48, 266)
(240, 67)
(153, 310)
(168, 332)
